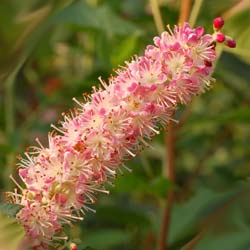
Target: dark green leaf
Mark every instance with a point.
(215, 7)
(239, 115)
(26, 42)
(238, 27)
(124, 50)
(88, 248)
(100, 18)
(234, 73)
(9, 209)
(186, 217)
(159, 186)
(230, 241)
(129, 182)
(122, 215)
(106, 238)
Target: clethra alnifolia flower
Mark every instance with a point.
(110, 126)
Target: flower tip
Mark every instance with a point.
(218, 23)
(73, 246)
(220, 37)
(231, 43)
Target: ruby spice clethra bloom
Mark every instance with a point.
(112, 125)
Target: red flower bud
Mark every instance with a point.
(218, 23)
(230, 43)
(73, 246)
(220, 37)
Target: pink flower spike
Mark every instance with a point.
(220, 37)
(218, 23)
(110, 126)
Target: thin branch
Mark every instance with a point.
(184, 11)
(213, 218)
(157, 15)
(200, 164)
(9, 124)
(170, 139)
(170, 174)
(195, 12)
(191, 244)
(149, 241)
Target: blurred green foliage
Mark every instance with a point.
(52, 51)
(11, 233)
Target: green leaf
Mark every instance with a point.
(100, 18)
(88, 248)
(9, 209)
(129, 183)
(215, 7)
(211, 9)
(124, 50)
(239, 115)
(26, 42)
(187, 216)
(159, 186)
(11, 233)
(5, 148)
(106, 238)
(234, 74)
(122, 215)
(184, 215)
(238, 27)
(40, 21)
(230, 241)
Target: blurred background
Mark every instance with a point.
(52, 51)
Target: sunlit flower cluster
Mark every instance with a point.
(108, 127)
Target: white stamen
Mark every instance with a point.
(127, 168)
(17, 184)
(77, 102)
(88, 208)
(128, 151)
(155, 131)
(39, 143)
(58, 129)
(100, 190)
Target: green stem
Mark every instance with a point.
(169, 170)
(219, 51)
(157, 15)
(9, 126)
(195, 12)
(9, 107)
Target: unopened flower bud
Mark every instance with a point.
(73, 246)
(230, 42)
(220, 37)
(218, 23)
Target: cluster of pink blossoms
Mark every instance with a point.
(112, 125)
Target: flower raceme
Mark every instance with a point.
(112, 125)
